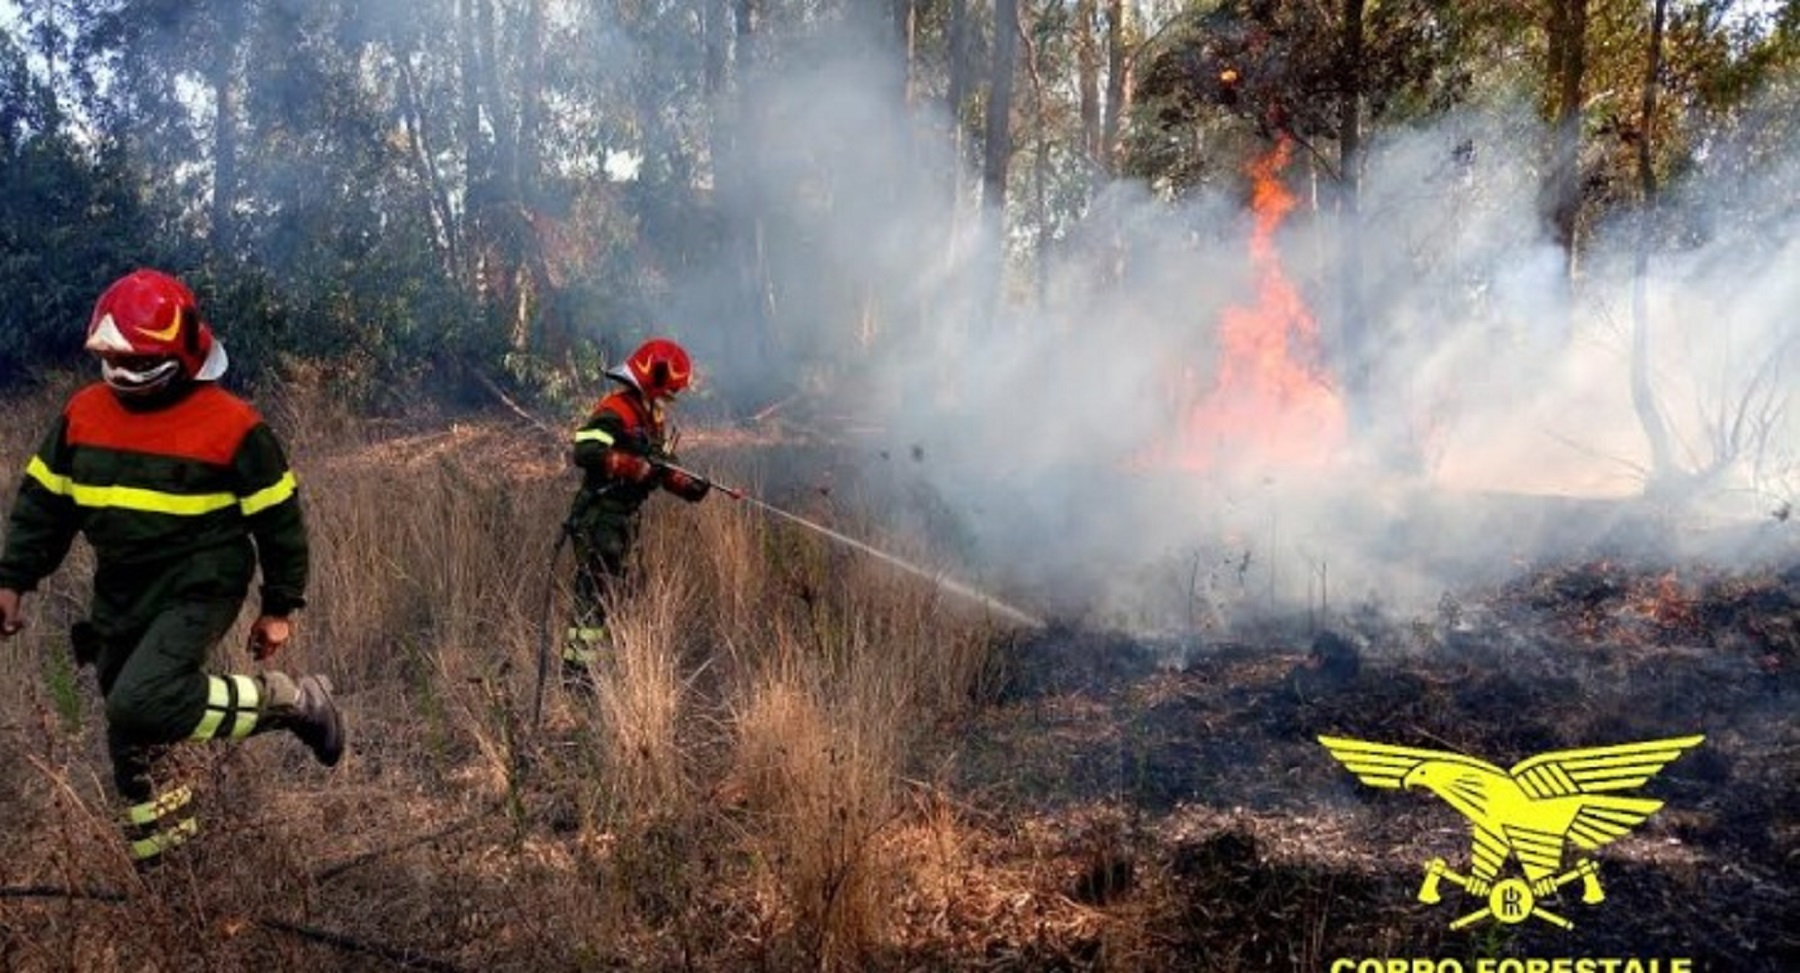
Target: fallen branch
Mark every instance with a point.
(519, 410)
(357, 861)
(405, 958)
(58, 892)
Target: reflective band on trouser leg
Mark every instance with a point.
(583, 645)
(231, 704)
(152, 827)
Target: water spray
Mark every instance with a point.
(938, 579)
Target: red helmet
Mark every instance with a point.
(658, 368)
(146, 328)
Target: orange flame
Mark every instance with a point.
(1269, 403)
(1669, 605)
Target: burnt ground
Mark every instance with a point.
(1188, 784)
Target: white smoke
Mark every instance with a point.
(1033, 430)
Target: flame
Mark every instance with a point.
(1669, 605)
(1269, 401)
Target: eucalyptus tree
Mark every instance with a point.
(70, 217)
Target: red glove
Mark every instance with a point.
(631, 468)
(690, 488)
(267, 635)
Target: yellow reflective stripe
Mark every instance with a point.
(574, 653)
(218, 697)
(600, 436)
(269, 496)
(162, 841)
(220, 706)
(152, 501)
(150, 811)
(208, 726)
(128, 498)
(579, 644)
(40, 471)
(249, 703)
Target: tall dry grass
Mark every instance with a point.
(721, 800)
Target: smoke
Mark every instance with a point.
(1500, 425)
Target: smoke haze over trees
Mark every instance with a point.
(1010, 250)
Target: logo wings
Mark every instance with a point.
(1558, 774)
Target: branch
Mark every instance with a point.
(517, 409)
(404, 958)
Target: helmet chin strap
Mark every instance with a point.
(138, 382)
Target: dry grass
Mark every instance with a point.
(722, 799)
(790, 761)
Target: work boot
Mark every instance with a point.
(306, 710)
(578, 678)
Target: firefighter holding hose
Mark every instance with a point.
(183, 492)
(624, 451)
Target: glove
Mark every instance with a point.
(621, 465)
(11, 620)
(693, 489)
(267, 635)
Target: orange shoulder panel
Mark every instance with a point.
(208, 425)
(622, 404)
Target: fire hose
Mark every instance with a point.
(936, 578)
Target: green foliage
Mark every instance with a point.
(69, 222)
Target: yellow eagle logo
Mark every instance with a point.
(1529, 813)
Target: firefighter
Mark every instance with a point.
(620, 449)
(183, 492)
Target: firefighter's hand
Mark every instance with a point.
(621, 465)
(267, 635)
(11, 619)
(691, 488)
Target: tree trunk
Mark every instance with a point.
(500, 118)
(475, 155)
(424, 157)
(225, 121)
(531, 98)
(1087, 66)
(1354, 344)
(757, 343)
(1040, 202)
(1118, 86)
(536, 324)
(1643, 397)
(997, 146)
(957, 91)
(996, 153)
(1568, 64)
(906, 18)
(714, 38)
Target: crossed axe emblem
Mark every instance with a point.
(1511, 900)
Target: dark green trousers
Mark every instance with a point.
(603, 541)
(156, 686)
